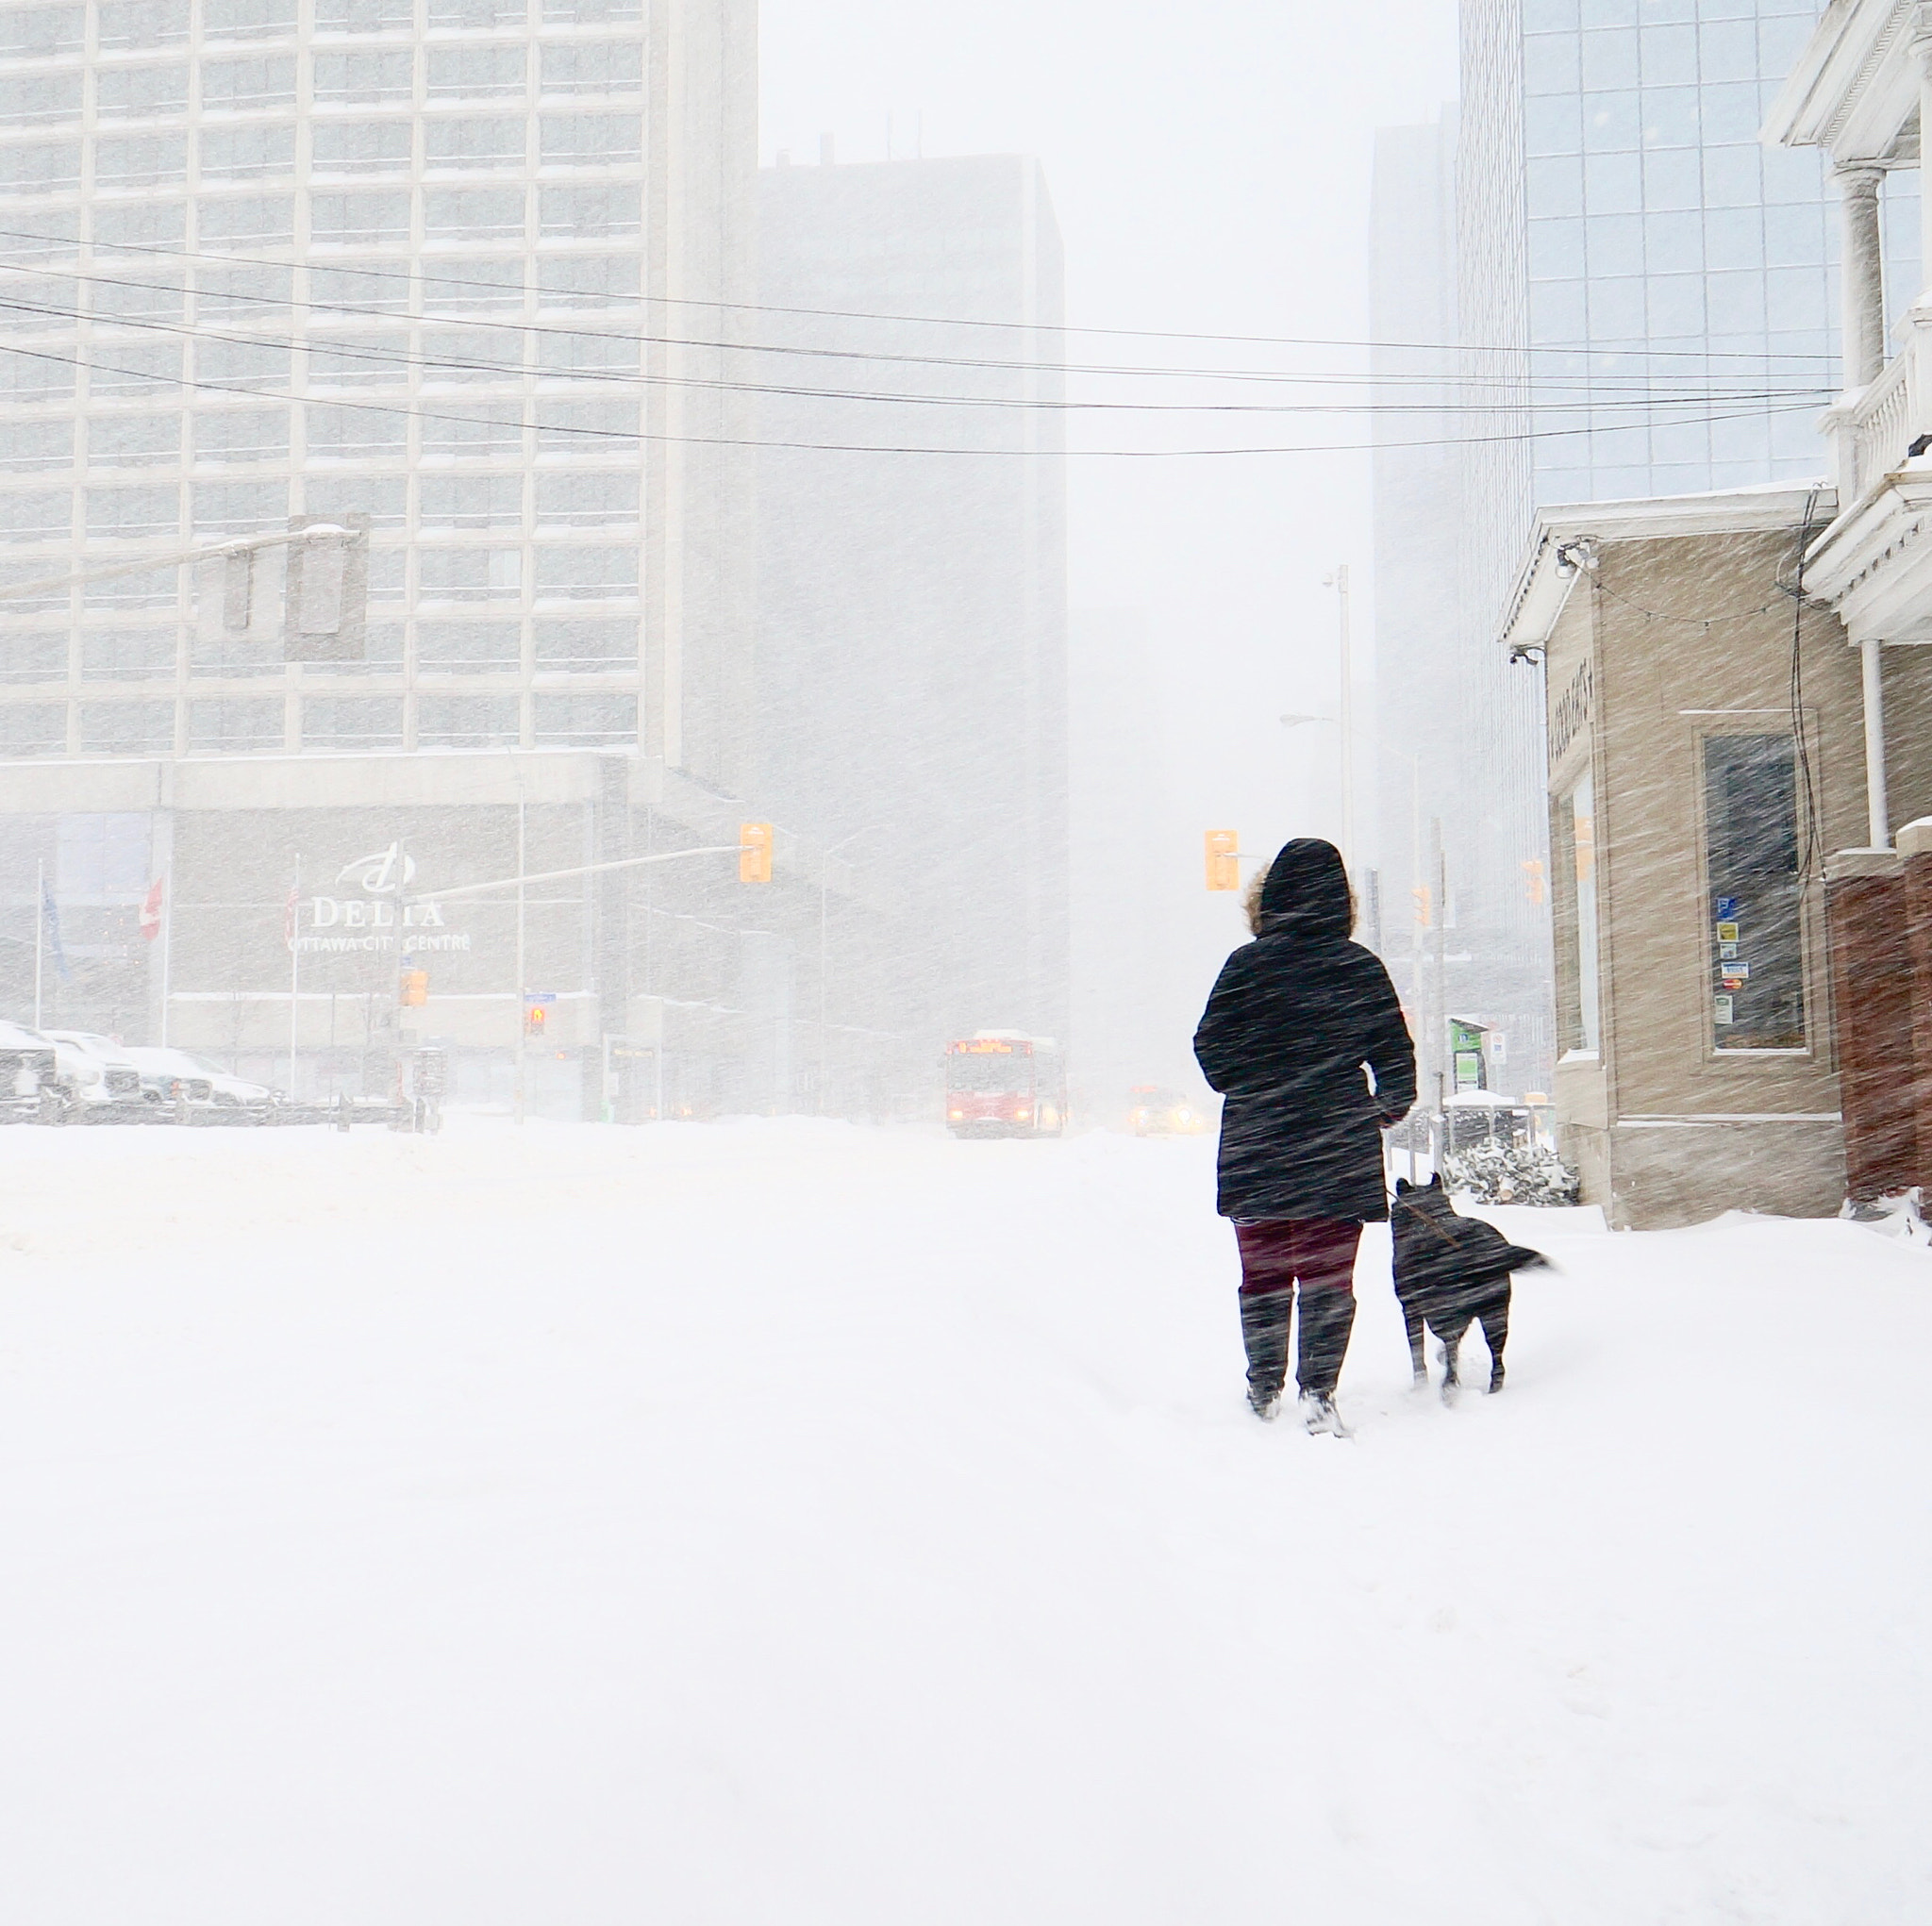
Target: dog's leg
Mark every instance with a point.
(1496, 1334)
(1418, 1362)
(1452, 1343)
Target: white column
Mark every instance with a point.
(1877, 805)
(1921, 50)
(1861, 275)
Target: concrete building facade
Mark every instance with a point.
(465, 277)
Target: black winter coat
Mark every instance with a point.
(1294, 1018)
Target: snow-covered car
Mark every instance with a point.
(173, 1076)
(99, 1081)
(29, 1065)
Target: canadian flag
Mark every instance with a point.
(151, 913)
(291, 912)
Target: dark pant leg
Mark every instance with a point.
(1325, 1251)
(1264, 1332)
(1267, 1300)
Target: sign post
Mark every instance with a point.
(522, 868)
(292, 929)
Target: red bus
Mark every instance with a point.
(1002, 1084)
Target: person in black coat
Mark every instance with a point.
(1299, 1020)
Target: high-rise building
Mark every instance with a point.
(913, 602)
(457, 272)
(1641, 305)
(1133, 875)
(426, 261)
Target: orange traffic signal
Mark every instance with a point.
(415, 990)
(753, 852)
(1224, 867)
(533, 1019)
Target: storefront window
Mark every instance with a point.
(1751, 860)
(1582, 840)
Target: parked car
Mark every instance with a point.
(99, 1080)
(29, 1065)
(173, 1076)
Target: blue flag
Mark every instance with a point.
(52, 918)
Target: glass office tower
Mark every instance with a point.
(1667, 249)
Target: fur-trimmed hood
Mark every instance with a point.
(1305, 894)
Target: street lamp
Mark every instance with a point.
(825, 888)
(1339, 582)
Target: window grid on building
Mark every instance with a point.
(1668, 248)
(265, 259)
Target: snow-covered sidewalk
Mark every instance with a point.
(785, 1522)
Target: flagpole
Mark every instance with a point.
(295, 970)
(40, 928)
(167, 944)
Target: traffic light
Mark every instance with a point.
(533, 1019)
(1224, 867)
(326, 591)
(415, 991)
(753, 852)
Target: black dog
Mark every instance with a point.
(1452, 1270)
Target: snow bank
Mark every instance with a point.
(783, 1521)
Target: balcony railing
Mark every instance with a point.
(1874, 435)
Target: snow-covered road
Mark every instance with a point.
(781, 1522)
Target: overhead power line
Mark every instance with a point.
(423, 271)
(401, 358)
(470, 419)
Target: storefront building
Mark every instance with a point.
(1862, 92)
(1705, 767)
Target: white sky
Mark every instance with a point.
(1209, 165)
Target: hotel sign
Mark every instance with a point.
(367, 921)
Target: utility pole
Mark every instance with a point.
(1346, 716)
(825, 888)
(1439, 998)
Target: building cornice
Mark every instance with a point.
(1855, 88)
(1552, 569)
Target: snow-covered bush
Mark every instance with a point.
(1506, 1173)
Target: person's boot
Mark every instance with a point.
(1264, 1403)
(1320, 1417)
